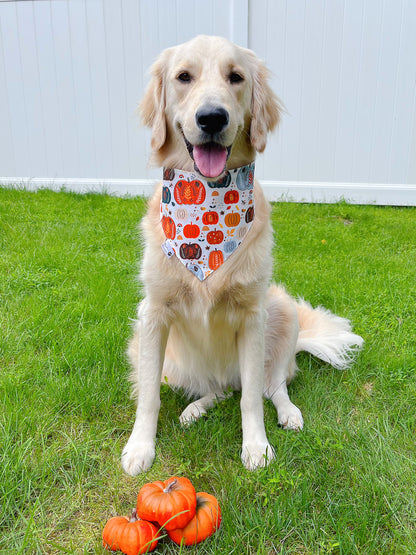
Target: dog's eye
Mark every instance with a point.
(235, 77)
(185, 77)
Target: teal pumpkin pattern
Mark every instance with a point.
(222, 183)
(166, 195)
(245, 178)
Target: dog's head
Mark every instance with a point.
(209, 106)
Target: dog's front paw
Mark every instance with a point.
(137, 457)
(290, 417)
(257, 455)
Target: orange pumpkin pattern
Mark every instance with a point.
(210, 218)
(232, 219)
(169, 227)
(191, 231)
(189, 192)
(215, 237)
(213, 218)
(216, 258)
(231, 197)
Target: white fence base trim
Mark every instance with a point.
(116, 187)
(354, 193)
(290, 191)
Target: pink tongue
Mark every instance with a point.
(210, 159)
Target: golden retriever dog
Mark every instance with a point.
(216, 326)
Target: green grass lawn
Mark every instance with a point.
(68, 291)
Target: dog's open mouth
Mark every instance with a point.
(209, 158)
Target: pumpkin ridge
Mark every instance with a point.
(144, 510)
(158, 510)
(185, 503)
(205, 522)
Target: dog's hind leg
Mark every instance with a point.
(288, 414)
(199, 407)
(280, 366)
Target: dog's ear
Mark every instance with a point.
(152, 107)
(265, 107)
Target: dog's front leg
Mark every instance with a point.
(256, 450)
(139, 452)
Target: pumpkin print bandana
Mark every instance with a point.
(205, 221)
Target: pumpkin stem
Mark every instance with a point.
(133, 517)
(170, 486)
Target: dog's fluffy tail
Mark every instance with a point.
(326, 336)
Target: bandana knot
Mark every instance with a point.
(206, 221)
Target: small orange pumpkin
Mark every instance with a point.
(232, 219)
(216, 258)
(231, 197)
(172, 503)
(169, 227)
(191, 231)
(189, 192)
(215, 237)
(210, 218)
(131, 536)
(206, 521)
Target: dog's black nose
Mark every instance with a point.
(212, 120)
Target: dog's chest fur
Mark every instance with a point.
(205, 317)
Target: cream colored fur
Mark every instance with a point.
(233, 330)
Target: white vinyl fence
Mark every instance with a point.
(72, 72)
